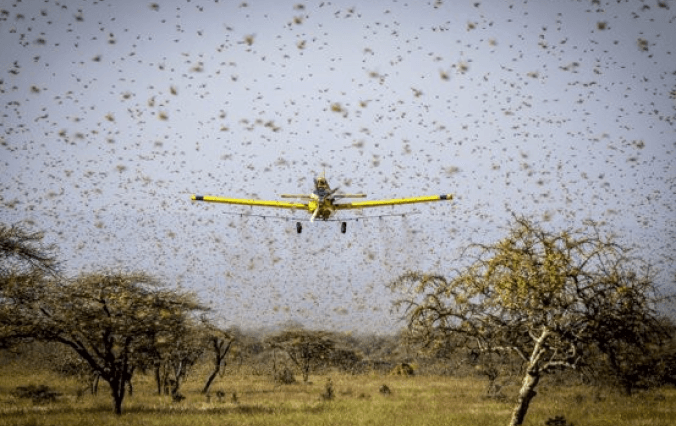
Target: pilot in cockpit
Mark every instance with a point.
(321, 186)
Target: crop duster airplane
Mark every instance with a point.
(321, 203)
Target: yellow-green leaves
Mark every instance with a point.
(582, 288)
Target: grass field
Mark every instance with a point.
(418, 400)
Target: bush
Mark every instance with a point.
(39, 394)
(329, 393)
(558, 421)
(403, 369)
(285, 377)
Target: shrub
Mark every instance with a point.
(40, 394)
(558, 421)
(329, 393)
(403, 369)
(285, 377)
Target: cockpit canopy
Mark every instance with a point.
(321, 183)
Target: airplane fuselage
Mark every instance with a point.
(321, 200)
(321, 209)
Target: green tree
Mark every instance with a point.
(546, 297)
(25, 262)
(114, 321)
(307, 349)
(638, 364)
(176, 355)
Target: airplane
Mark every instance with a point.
(321, 203)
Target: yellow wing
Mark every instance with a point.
(245, 202)
(393, 202)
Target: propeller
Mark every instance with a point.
(321, 193)
(331, 192)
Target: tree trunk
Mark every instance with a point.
(118, 405)
(306, 373)
(129, 385)
(95, 383)
(179, 374)
(211, 378)
(158, 379)
(117, 388)
(220, 355)
(526, 394)
(530, 381)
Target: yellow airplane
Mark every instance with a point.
(321, 202)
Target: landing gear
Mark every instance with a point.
(299, 228)
(343, 227)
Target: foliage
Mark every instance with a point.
(284, 377)
(39, 394)
(546, 297)
(114, 321)
(635, 367)
(22, 252)
(328, 393)
(219, 342)
(558, 421)
(24, 262)
(305, 348)
(175, 356)
(345, 359)
(403, 369)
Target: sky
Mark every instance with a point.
(115, 112)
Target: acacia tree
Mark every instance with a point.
(305, 348)
(546, 297)
(114, 321)
(25, 262)
(22, 251)
(176, 355)
(219, 341)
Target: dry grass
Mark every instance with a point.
(429, 400)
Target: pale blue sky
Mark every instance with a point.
(113, 113)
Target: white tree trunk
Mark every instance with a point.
(530, 381)
(526, 394)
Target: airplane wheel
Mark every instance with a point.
(343, 227)
(299, 227)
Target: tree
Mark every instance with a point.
(546, 297)
(220, 342)
(175, 356)
(22, 252)
(638, 364)
(24, 262)
(114, 321)
(305, 348)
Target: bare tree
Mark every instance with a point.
(220, 342)
(543, 296)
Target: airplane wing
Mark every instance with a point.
(307, 219)
(341, 195)
(393, 202)
(246, 202)
(297, 196)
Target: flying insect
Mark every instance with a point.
(321, 203)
